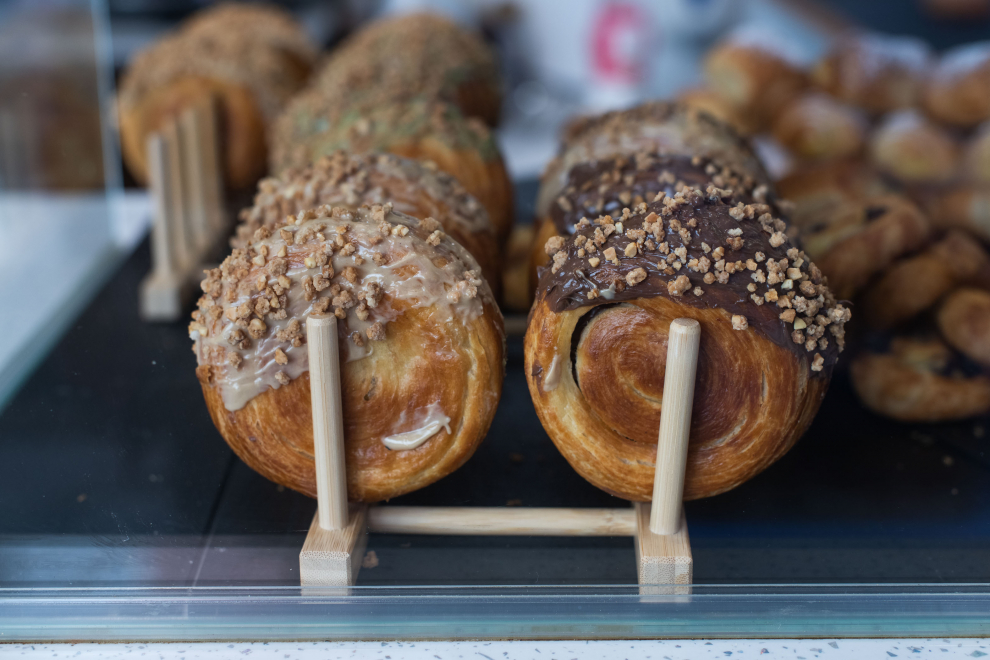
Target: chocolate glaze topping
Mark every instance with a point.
(708, 247)
(607, 186)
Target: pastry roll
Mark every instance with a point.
(817, 127)
(596, 343)
(655, 127)
(351, 180)
(605, 187)
(914, 284)
(913, 149)
(958, 88)
(425, 130)
(711, 102)
(823, 193)
(415, 55)
(756, 73)
(421, 339)
(853, 248)
(252, 71)
(964, 207)
(964, 321)
(876, 72)
(919, 379)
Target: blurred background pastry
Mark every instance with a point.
(251, 67)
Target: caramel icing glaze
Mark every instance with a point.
(368, 266)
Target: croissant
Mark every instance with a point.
(352, 180)
(957, 90)
(815, 126)
(251, 58)
(876, 72)
(426, 130)
(913, 149)
(416, 55)
(824, 193)
(422, 348)
(596, 343)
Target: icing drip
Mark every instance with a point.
(553, 375)
(432, 422)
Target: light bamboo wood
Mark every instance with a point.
(328, 421)
(194, 183)
(664, 563)
(500, 521)
(332, 558)
(675, 425)
(212, 171)
(182, 244)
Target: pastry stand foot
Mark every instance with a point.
(332, 557)
(662, 560)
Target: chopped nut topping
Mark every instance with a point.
(636, 275)
(739, 322)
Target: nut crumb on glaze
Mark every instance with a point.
(257, 313)
(672, 254)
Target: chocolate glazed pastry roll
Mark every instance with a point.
(422, 129)
(351, 180)
(252, 71)
(659, 127)
(421, 342)
(607, 186)
(596, 343)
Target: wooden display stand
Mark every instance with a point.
(189, 222)
(334, 547)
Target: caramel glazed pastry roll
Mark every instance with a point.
(251, 70)
(423, 129)
(596, 344)
(351, 180)
(422, 348)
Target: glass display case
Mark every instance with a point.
(127, 517)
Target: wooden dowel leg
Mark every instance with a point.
(328, 421)
(683, 342)
(208, 122)
(162, 253)
(193, 171)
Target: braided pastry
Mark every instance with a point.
(421, 129)
(422, 348)
(596, 342)
(252, 70)
(964, 321)
(914, 284)
(919, 379)
(350, 180)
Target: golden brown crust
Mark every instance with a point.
(817, 127)
(412, 56)
(976, 161)
(964, 321)
(911, 383)
(241, 56)
(711, 102)
(854, 249)
(421, 343)
(351, 180)
(517, 278)
(958, 89)
(421, 130)
(876, 72)
(755, 79)
(913, 149)
(822, 194)
(914, 284)
(753, 399)
(965, 207)
(596, 342)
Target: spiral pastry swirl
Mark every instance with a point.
(422, 348)
(596, 342)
